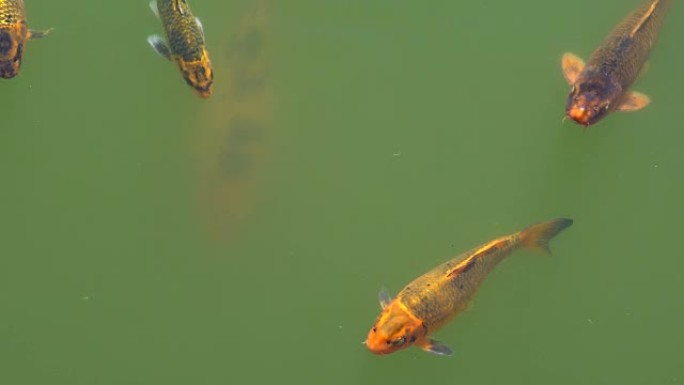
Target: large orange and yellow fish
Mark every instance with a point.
(602, 85)
(431, 300)
(14, 34)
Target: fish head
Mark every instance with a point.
(395, 329)
(198, 74)
(590, 102)
(11, 51)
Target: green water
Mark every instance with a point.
(150, 237)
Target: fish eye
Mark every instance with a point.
(397, 342)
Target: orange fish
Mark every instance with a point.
(430, 301)
(602, 85)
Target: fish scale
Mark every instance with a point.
(184, 35)
(436, 300)
(624, 51)
(11, 11)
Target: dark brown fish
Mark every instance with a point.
(602, 85)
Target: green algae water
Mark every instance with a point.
(151, 237)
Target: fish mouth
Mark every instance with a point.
(203, 91)
(204, 94)
(7, 71)
(581, 115)
(377, 351)
(378, 346)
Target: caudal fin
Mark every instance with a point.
(538, 236)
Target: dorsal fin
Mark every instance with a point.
(462, 267)
(384, 298)
(181, 7)
(644, 18)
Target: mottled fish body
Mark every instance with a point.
(430, 301)
(14, 33)
(184, 44)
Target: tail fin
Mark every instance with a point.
(538, 236)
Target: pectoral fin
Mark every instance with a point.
(435, 347)
(384, 298)
(199, 25)
(35, 34)
(153, 7)
(572, 66)
(634, 101)
(159, 46)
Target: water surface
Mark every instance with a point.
(150, 237)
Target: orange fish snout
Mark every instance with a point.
(394, 330)
(586, 108)
(376, 343)
(381, 343)
(579, 114)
